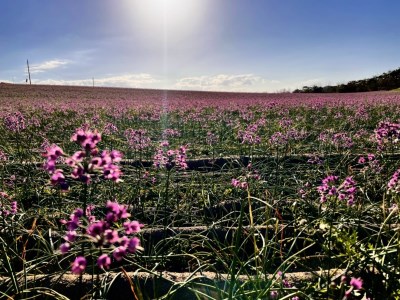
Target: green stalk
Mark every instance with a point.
(252, 228)
(236, 252)
(166, 195)
(9, 268)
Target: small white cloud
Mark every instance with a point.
(221, 82)
(47, 65)
(311, 82)
(127, 80)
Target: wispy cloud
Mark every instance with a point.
(127, 80)
(222, 82)
(313, 81)
(47, 65)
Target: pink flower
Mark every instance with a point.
(164, 143)
(78, 156)
(116, 212)
(79, 265)
(119, 253)
(50, 166)
(111, 236)
(54, 152)
(123, 241)
(96, 229)
(112, 172)
(104, 261)
(235, 182)
(14, 207)
(78, 213)
(239, 184)
(57, 177)
(71, 236)
(71, 224)
(132, 227)
(87, 139)
(356, 283)
(243, 185)
(116, 156)
(64, 248)
(133, 244)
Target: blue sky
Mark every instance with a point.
(224, 45)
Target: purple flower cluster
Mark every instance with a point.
(137, 139)
(7, 207)
(85, 162)
(242, 182)
(325, 136)
(87, 139)
(303, 192)
(342, 141)
(170, 158)
(169, 132)
(110, 128)
(361, 114)
(283, 138)
(371, 163)
(387, 134)
(339, 139)
(104, 162)
(15, 122)
(355, 284)
(250, 135)
(74, 219)
(296, 135)
(237, 183)
(278, 139)
(113, 235)
(393, 185)
(329, 190)
(285, 123)
(52, 155)
(79, 265)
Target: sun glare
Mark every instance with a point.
(173, 17)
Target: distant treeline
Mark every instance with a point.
(387, 81)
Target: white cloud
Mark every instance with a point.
(275, 81)
(127, 80)
(222, 82)
(311, 82)
(47, 65)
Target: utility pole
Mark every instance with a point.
(29, 73)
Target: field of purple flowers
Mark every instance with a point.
(99, 184)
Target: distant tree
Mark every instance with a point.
(386, 81)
